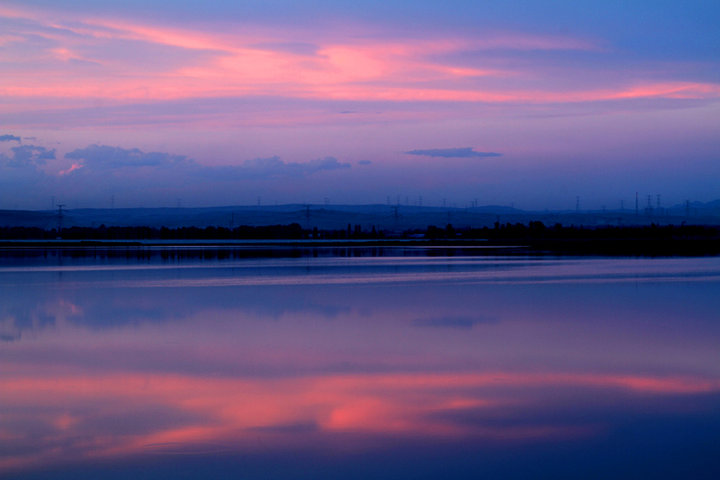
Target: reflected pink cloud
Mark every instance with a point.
(235, 411)
(103, 369)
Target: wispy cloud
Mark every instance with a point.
(165, 63)
(10, 138)
(461, 152)
(452, 322)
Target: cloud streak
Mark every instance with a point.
(187, 62)
(461, 152)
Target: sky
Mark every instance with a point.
(534, 104)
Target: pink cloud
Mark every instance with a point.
(364, 70)
(72, 168)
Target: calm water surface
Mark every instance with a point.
(357, 363)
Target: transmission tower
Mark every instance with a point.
(60, 219)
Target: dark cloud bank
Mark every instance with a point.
(103, 158)
(148, 177)
(26, 156)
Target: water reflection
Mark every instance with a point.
(352, 366)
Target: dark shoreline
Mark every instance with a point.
(569, 247)
(507, 239)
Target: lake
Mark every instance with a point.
(355, 362)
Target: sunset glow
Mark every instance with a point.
(360, 84)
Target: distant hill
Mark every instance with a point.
(386, 217)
